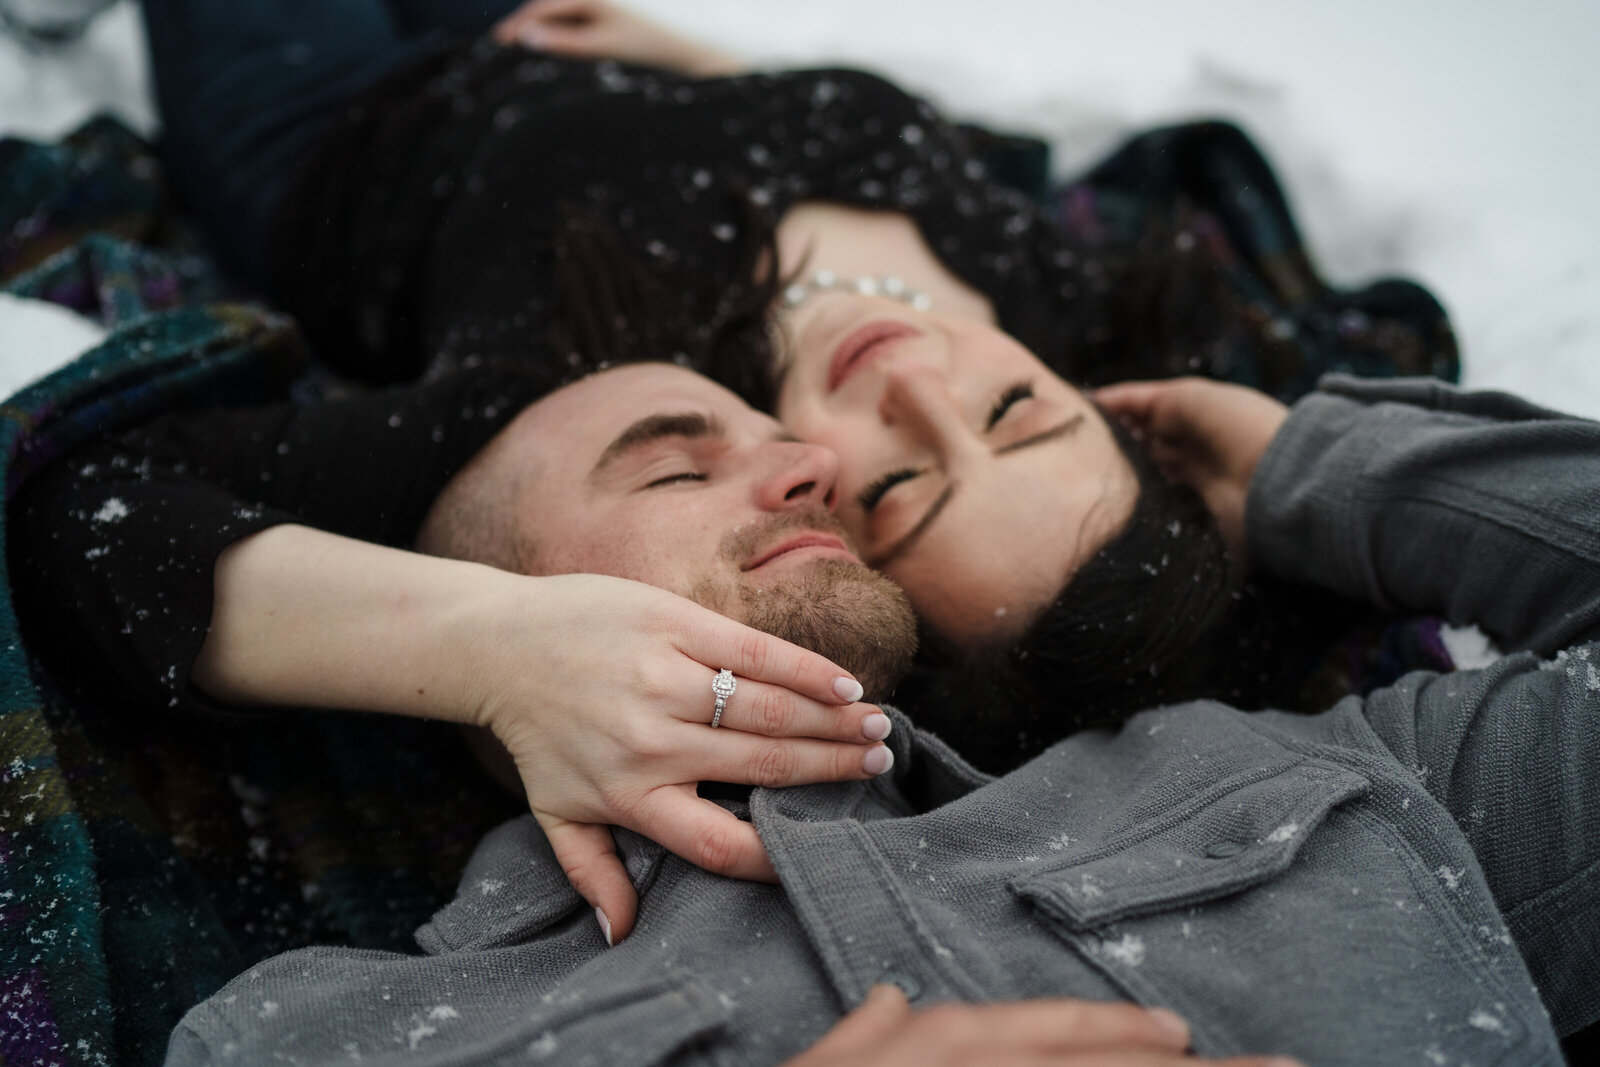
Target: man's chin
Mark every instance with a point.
(841, 609)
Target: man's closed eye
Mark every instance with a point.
(674, 479)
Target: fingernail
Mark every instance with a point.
(848, 689)
(532, 36)
(877, 760)
(875, 727)
(605, 926)
(1282, 1061)
(1170, 1022)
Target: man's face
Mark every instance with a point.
(654, 473)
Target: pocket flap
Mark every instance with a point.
(1210, 848)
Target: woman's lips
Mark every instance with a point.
(865, 344)
(823, 541)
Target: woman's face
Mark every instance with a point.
(971, 474)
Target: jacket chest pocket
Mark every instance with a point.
(1239, 835)
(1281, 913)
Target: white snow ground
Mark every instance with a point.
(1453, 141)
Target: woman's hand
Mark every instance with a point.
(885, 1032)
(598, 29)
(599, 688)
(1205, 434)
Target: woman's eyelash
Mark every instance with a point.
(1014, 394)
(692, 476)
(868, 498)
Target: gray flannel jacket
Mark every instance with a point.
(1411, 878)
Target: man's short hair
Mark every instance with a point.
(476, 516)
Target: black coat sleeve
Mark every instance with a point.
(113, 548)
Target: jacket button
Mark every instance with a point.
(908, 985)
(1221, 850)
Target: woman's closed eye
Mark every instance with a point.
(1013, 395)
(869, 497)
(1010, 397)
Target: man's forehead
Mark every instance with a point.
(597, 417)
(641, 391)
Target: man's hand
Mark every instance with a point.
(1204, 434)
(598, 29)
(885, 1032)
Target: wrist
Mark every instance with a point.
(306, 618)
(485, 617)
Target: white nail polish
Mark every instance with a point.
(605, 926)
(876, 727)
(847, 689)
(877, 761)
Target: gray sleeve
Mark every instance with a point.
(1484, 509)
(1419, 497)
(1512, 752)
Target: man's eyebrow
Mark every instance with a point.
(652, 428)
(1060, 430)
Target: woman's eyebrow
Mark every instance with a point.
(653, 428)
(1059, 430)
(1056, 432)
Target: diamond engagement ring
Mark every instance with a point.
(723, 686)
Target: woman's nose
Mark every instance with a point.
(799, 474)
(917, 396)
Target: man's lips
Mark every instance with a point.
(826, 542)
(865, 344)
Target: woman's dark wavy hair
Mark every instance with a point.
(1161, 613)
(615, 310)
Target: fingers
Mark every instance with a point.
(883, 1030)
(1055, 1027)
(1161, 409)
(1074, 1058)
(567, 9)
(538, 22)
(561, 39)
(1132, 401)
(884, 1011)
(1215, 413)
(749, 759)
(720, 642)
(1062, 1024)
(759, 708)
(702, 833)
(588, 855)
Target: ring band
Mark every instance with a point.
(722, 687)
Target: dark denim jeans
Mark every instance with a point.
(245, 86)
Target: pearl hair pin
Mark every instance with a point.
(885, 285)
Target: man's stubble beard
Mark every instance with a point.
(843, 610)
(838, 608)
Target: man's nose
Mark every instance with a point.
(799, 475)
